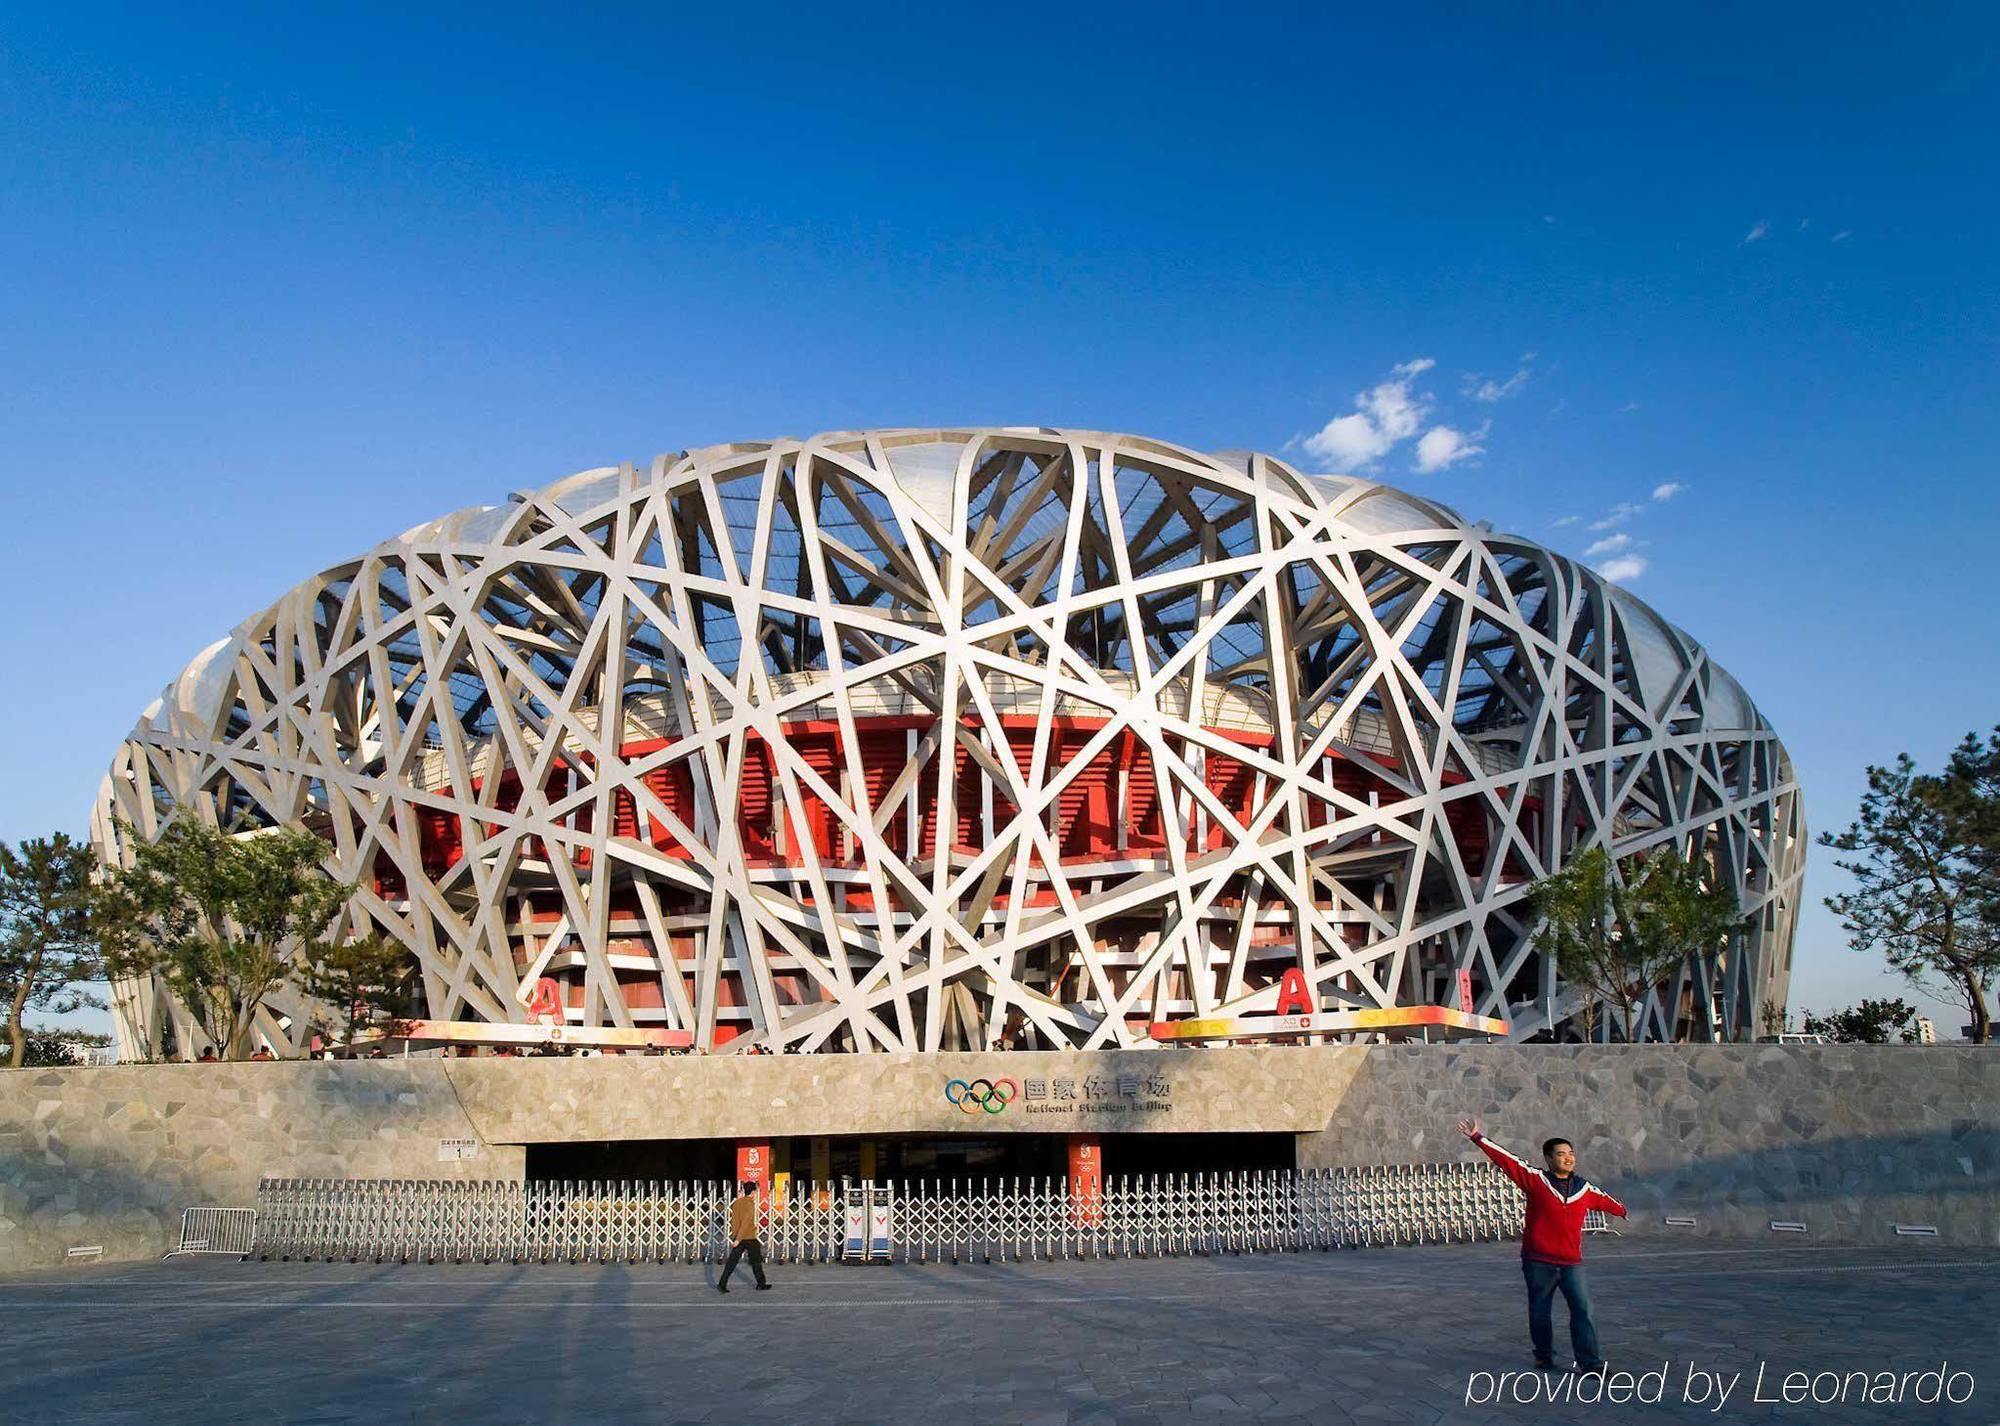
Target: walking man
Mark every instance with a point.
(743, 1238)
(1552, 1243)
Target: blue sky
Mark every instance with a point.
(274, 286)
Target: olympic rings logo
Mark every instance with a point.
(976, 1096)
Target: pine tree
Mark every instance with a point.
(48, 933)
(1925, 858)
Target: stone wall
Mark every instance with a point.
(109, 1157)
(706, 1096)
(1847, 1139)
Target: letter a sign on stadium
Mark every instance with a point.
(1293, 997)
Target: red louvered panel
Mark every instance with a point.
(673, 784)
(1145, 827)
(439, 839)
(1232, 781)
(969, 796)
(1515, 868)
(1358, 779)
(1021, 748)
(1321, 810)
(820, 752)
(1085, 805)
(641, 992)
(926, 794)
(624, 815)
(507, 798)
(884, 755)
(753, 801)
(791, 987)
(1040, 896)
(579, 819)
(1468, 831)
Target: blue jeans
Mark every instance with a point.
(1543, 1280)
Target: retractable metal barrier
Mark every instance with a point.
(942, 1221)
(231, 1232)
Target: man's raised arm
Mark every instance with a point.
(1598, 1198)
(1509, 1165)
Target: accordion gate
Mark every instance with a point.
(405, 1220)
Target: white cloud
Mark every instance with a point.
(1756, 234)
(1442, 447)
(1623, 568)
(1668, 489)
(1486, 389)
(1840, 237)
(1609, 545)
(1628, 408)
(1384, 416)
(1804, 223)
(1617, 515)
(1568, 520)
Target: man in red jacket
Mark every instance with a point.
(1552, 1243)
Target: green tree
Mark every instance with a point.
(363, 979)
(48, 933)
(1675, 907)
(1925, 858)
(54, 1046)
(1578, 910)
(1616, 933)
(1869, 1023)
(220, 917)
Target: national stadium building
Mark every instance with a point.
(959, 740)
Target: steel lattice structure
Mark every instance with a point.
(920, 740)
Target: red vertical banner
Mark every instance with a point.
(1086, 1178)
(753, 1165)
(1465, 991)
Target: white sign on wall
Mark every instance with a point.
(453, 1149)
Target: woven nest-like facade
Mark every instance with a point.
(923, 740)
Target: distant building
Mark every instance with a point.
(1926, 1031)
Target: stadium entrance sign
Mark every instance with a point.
(1128, 1093)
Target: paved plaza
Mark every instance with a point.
(1386, 1335)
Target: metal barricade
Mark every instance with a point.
(229, 1232)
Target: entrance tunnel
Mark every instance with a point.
(911, 1158)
